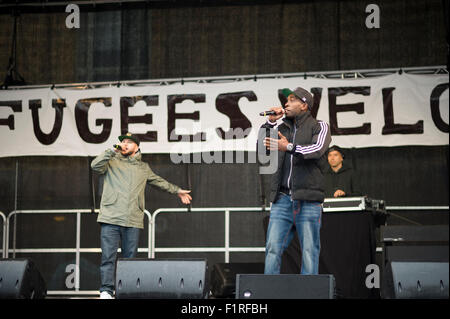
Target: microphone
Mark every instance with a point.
(268, 113)
(117, 147)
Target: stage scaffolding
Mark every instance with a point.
(349, 74)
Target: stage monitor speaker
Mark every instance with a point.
(20, 279)
(285, 286)
(416, 280)
(223, 277)
(161, 279)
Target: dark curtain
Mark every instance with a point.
(399, 175)
(408, 176)
(145, 42)
(45, 48)
(113, 45)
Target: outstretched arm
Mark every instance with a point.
(164, 185)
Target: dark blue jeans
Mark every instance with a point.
(111, 236)
(306, 216)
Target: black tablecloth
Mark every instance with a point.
(348, 245)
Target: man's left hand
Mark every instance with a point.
(184, 196)
(276, 144)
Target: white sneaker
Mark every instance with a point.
(105, 295)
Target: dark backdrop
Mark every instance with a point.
(411, 176)
(408, 176)
(166, 41)
(144, 41)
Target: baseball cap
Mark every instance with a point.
(338, 149)
(130, 136)
(301, 94)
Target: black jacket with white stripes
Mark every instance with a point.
(308, 161)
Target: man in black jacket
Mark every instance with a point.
(340, 179)
(297, 187)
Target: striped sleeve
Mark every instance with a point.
(272, 124)
(320, 142)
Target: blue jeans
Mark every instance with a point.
(284, 214)
(110, 237)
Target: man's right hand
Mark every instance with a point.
(280, 112)
(339, 193)
(119, 150)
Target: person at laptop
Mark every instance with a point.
(340, 179)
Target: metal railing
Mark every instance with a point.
(424, 208)
(337, 74)
(77, 250)
(151, 234)
(226, 249)
(3, 219)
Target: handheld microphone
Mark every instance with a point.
(268, 113)
(117, 147)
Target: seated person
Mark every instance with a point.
(340, 179)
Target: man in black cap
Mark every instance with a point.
(123, 203)
(297, 187)
(340, 179)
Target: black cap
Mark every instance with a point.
(301, 94)
(130, 136)
(336, 148)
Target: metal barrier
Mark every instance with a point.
(77, 250)
(417, 207)
(151, 250)
(413, 208)
(226, 249)
(3, 218)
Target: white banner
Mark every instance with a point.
(390, 110)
